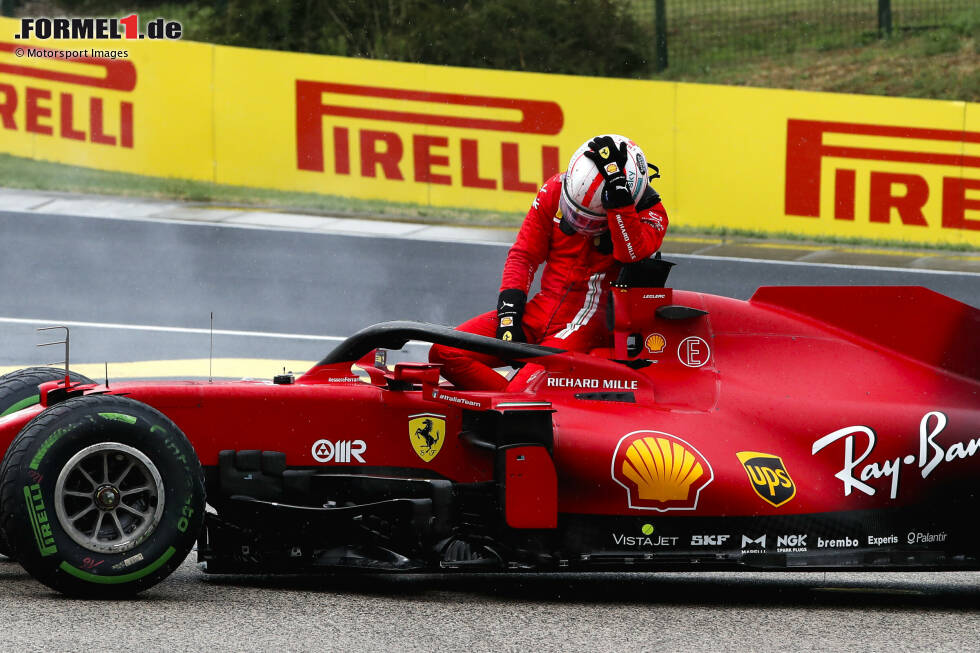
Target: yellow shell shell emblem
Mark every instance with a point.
(427, 432)
(660, 471)
(655, 343)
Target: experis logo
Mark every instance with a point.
(27, 105)
(809, 142)
(423, 153)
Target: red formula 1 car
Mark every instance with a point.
(809, 427)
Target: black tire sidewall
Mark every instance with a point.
(22, 384)
(47, 444)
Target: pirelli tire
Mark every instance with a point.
(101, 497)
(18, 389)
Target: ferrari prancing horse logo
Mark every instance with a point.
(427, 432)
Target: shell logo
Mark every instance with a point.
(660, 471)
(655, 343)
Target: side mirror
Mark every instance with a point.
(417, 373)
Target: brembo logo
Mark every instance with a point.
(425, 156)
(908, 192)
(34, 109)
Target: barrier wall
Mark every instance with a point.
(769, 160)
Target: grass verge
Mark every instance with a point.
(18, 172)
(27, 174)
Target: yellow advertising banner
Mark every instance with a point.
(132, 106)
(815, 164)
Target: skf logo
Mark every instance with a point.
(431, 155)
(340, 451)
(768, 476)
(32, 108)
(709, 540)
(427, 432)
(660, 471)
(908, 192)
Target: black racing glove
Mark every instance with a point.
(510, 312)
(611, 161)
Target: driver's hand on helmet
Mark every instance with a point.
(611, 162)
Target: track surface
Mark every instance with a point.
(165, 275)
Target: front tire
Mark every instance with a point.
(101, 497)
(18, 389)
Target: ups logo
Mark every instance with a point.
(768, 476)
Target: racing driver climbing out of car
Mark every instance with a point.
(584, 225)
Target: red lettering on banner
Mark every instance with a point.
(844, 191)
(909, 204)
(35, 111)
(96, 124)
(126, 124)
(956, 203)
(9, 106)
(550, 162)
(67, 119)
(425, 159)
(470, 155)
(117, 75)
(429, 151)
(387, 159)
(510, 169)
(341, 150)
(805, 150)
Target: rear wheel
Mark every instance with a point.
(18, 390)
(101, 497)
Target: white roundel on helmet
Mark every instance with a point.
(581, 190)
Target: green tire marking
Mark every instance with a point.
(118, 580)
(47, 444)
(156, 428)
(22, 404)
(45, 548)
(119, 417)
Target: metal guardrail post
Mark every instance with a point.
(661, 33)
(884, 17)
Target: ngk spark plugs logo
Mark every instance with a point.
(908, 176)
(89, 108)
(451, 134)
(660, 471)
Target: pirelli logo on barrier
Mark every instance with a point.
(407, 144)
(90, 106)
(937, 182)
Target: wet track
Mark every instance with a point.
(113, 274)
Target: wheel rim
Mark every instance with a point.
(109, 497)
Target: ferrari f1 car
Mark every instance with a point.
(807, 428)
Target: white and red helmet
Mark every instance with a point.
(581, 188)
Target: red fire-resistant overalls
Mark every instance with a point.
(568, 313)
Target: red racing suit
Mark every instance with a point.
(569, 311)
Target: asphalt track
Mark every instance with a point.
(144, 291)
